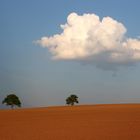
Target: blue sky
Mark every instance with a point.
(27, 68)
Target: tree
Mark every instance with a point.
(12, 100)
(72, 99)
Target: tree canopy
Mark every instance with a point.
(72, 99)
(12, 100)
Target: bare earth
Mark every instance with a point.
(90, 122)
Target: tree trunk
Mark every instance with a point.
(12, 106)
(72, 104)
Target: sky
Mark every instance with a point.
(50, 49)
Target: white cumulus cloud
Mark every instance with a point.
(87, 39)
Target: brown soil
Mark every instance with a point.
(89, 122)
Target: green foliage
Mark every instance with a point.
(12, 100)
(72, 99)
